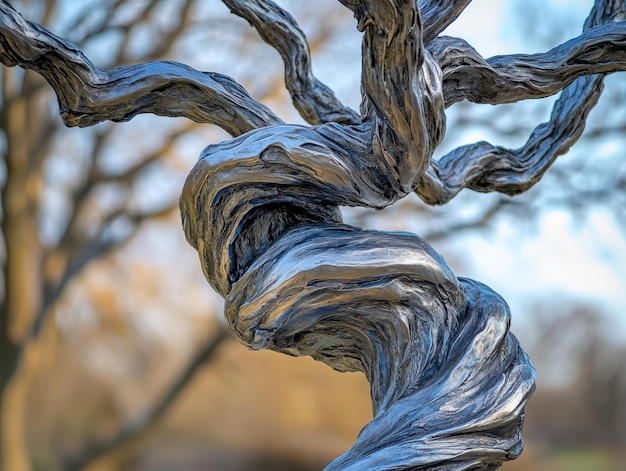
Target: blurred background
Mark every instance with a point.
(112, 347)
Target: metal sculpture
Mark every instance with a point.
(449, 382)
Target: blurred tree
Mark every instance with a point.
(48, 245)
(581, 397)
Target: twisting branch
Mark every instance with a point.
(511, 78)
(401, 86)
(439, 14)
(315, 102)
(88, 95)
(484, 167)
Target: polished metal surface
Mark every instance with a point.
(449, 382)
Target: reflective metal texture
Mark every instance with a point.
(449, 382)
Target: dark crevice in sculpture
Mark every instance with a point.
(263, 225)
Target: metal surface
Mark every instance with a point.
(449, 382)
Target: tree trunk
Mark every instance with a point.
(22, 295)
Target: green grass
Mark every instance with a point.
(585, 460)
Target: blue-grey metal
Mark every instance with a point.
(449, 382)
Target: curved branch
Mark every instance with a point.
(88, 95)
(510, 78)
(401, 86)
(439, 14)
(315, 101)
(484, 167)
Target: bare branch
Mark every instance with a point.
(44, 142)
(167, 40)
(138, 428)
(80, 194)
(315, 102)
(92, 250)
(121, 55)
(70, 239)
(78, 258)
(131, 173)
(108, 22)
(108, 10)
(138, 217)
(49, 11)
(484, 167)
(438, 15)
(507, 79)
(480, 221)
(88, 95)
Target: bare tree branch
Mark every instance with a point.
(82, 191)
(70, 239)
(484, 167)
(90, 251)
(315, 102)
(109, 21)
(121, 55)
(438, 15)
(139, 427)
(107, 12)
(129, 175)
(507, 79)
(480, 221)
(88, 95)
(80, 256)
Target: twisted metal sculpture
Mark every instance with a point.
(449, 382)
